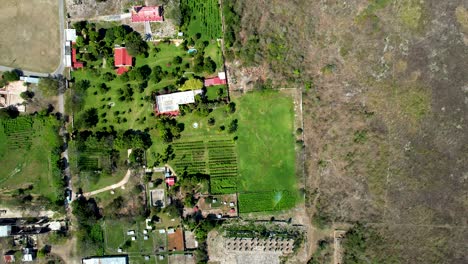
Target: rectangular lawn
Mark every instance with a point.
(266, 149)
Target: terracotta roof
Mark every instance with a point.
(76, 64)
(121, 70)
(214, 81)
(146, 14)
(170, 181)
(9, 258)
(122, 58)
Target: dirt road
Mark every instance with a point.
(111, 187)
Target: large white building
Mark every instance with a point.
(106, 260)
(169, 103)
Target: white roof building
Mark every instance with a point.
(222, 75)
(70, 34)
(5, 231)
(170, 102)
(106, 260)
(68, 56)
(29, 79)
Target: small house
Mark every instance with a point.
(218, 80)
(122, 60)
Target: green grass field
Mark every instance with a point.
(28, 155)
(266, 148)
(115, 236)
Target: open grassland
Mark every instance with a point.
(266, 150)
(29, 155)
(115, 236)
(30, 35)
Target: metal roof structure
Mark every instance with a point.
(106, 260)
(70, 34)
(167, 103)
(5, 231)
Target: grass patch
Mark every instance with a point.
(115, 236)
(266, 148)
(29, 155)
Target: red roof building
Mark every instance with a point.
(9, 258)
(76, 64)
(214, 81)
(122, 60)
(147, 14)
(170, 181)
(121, 70)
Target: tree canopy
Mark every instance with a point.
(192, 84)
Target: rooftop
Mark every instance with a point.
(218, 80)
(147, 14)
(170, 102)
(70, 34)
(106, 260)
(121, 57)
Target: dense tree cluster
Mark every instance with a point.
(169, 129)
(96, 43)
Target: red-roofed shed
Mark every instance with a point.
(170, 181)
(121, 70)
(76, 64)
(122, 58)
(147, 14)
(9, 258)
(214, 81)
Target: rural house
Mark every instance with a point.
(70, 52)
(147, 14)
(168, 104)
(218, 80)
(122, 60)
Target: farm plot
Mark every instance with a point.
(18, 132)
(217, 158)
(222, 164)
(29, 154)
(202, 17)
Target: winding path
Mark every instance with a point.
(111, 187)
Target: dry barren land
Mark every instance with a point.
(385, 107)
(30, 35)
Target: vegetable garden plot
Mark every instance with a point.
(217, 158)
(19, 132)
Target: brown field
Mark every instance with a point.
(30, 35)
(385, 117)
(176, 240)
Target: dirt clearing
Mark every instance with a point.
(30, 35)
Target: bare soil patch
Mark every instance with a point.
(30, 35)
